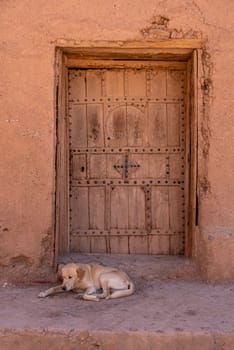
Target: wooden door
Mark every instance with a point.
(127, 150)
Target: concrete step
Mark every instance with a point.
(145, 267)
(171, 309)
(84, 340)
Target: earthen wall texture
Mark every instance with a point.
(29, 31)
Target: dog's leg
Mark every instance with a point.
(122, 293)
(105, 288)
(90, 297)
(115, 285)
(90, 294)
(50, 291)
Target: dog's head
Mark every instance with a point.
(70, 274)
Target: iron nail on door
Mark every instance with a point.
(122, 167)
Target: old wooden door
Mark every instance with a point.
(127, 150)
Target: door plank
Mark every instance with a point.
(80, 208)
(95, 125)
(175, 166)
(76, 85)
(136, 82)
(94, 83)
(97, 166)
(78, 126)
(159, 245)
(150, 166)
(143, 161)
(136, 207)
(157, 126)
(138, 245)
(118, 244)
(114, 83)
(173, 124)
(175, 84)
(116, 127)
(113, 159)
(157, 166)
(98, 245)
(79, 170)
(160, 210)
(97, 207)
(175, 210)
(158, 84)
(136, 127)
(119, 207)
(80, 244)
(176, 245)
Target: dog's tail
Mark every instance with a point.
(124, 292)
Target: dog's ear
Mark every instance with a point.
(80, 273)
(59, 272)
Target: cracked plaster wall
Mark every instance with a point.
(28, 31)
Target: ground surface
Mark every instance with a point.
(169, 299)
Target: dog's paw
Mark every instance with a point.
(79, 297)
(90, 297)
(42, 295)
(96, 299)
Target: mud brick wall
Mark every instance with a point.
(29, 33)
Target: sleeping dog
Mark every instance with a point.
(92, 278)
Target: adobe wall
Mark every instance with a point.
(29, 31)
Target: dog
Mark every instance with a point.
(97, 282)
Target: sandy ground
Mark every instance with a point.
(169, 298)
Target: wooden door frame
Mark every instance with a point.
(113, 54)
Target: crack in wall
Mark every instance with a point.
(206, 86)
(46, 256)
(159, 29)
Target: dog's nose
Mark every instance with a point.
(64, 288)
